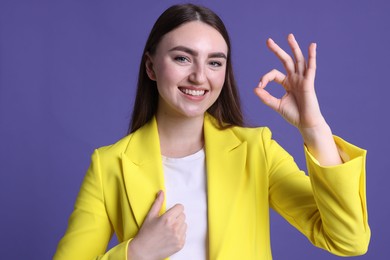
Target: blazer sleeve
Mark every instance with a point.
(89, 229)
(328, 206)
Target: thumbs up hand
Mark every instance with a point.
(159, 236)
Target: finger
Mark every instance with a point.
(181, 224)
(181, 218)
(287, 61)
(273, 75)
(298, 55)
(267, 98)
(264, 95)
(183, 230)
(312, 61)
(175, 211)
(182, 234)
(157, 204)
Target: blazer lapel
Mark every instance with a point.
(225, 160)
(142, 170)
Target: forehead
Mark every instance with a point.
(195, 35)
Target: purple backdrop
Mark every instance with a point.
(67, 76)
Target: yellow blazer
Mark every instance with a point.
(247, 172)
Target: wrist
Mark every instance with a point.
(313, 136)
(133, 251)
(320, 143)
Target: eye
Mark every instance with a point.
(181, 59)
(215, 63)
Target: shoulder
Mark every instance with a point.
(251, 134)
(258, 140)
(137, 145)
(254, 138)
(115, 149)
(242, 133)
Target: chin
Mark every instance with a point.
(195, 113)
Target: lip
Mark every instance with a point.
(193, 93)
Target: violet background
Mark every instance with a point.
(67, 80)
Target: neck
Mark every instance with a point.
(180, 136)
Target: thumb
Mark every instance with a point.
(267, 98)
(157, 204)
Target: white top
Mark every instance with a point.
(185, 183)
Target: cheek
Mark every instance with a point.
(218, 80)
(168, 74)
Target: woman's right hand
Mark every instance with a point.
(159, 236)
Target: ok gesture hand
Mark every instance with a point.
(299, 105)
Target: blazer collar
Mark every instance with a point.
(225, 163)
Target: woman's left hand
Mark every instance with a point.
(299, 105)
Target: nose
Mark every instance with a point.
(198, 75)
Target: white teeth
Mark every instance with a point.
(193, 92)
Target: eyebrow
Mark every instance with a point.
(195, 53)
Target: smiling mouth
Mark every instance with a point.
(193, 92)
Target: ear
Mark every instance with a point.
(149, 67)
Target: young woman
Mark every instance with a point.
(190, 182)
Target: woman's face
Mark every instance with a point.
(189, 67)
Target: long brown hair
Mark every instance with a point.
(226, 109)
